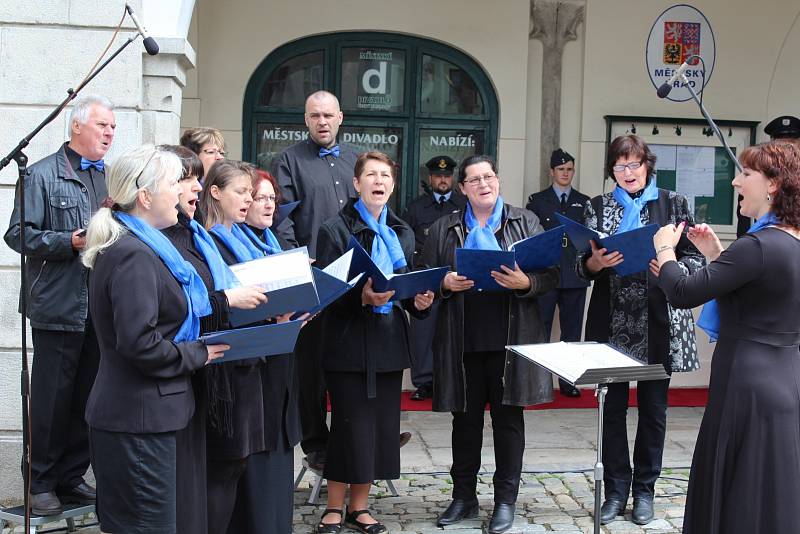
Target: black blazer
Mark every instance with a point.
(545, 204)
(356, 338)
(143, 383)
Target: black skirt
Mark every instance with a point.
(363, 445)
(135, 476)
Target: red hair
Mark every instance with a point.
(259, 176)
(779, 161)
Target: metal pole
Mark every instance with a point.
(600, 392)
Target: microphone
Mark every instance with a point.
(666, 87)
(150, 44)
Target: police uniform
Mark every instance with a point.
(420, 214)
(785, 127)
(571, 292)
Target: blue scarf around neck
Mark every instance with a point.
(387, 253)
(220, 272)
(197, 303)
(237, 242)
(482, 237)
(709, 321)
(269, 245)
(631, 217)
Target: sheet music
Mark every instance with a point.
(341, 266)
(277, 271)
(571, 361)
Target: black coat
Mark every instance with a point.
(356, 339)
(423, 211)
(143, 383)
(524, 382)
(545, 204)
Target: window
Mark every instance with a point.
(408, 97)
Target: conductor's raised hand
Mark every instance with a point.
(703, 237)
(423, 301)
(371, 298)
(455, 282)
(602, 259)
(245, 298)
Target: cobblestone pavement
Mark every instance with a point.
(556, 494)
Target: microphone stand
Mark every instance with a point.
(710, 121)
(21, 159)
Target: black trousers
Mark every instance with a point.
(484, 374)
(64, 367)
(620, 478)
(571, 302)
(222, 486)
(312, 399)
(421, 332)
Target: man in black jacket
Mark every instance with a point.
(62, 192)
(420, 214)
(570, 295)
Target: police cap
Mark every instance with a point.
(783, 127)
(560, 157)
(441, 165)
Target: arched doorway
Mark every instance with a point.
(409, 97)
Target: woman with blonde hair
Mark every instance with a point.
(146, 302)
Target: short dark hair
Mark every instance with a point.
(363, 158)
(779, 160)
(474, 160)
(630, 146)
(192, 166)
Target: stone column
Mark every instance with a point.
(163, 80)
(554, 24)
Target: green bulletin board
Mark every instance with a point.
(703, 174)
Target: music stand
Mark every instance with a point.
(589, 363)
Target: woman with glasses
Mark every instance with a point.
(146, 301)
(366, 349)
(471, 366)
(266, 491)
(207, 143)
(196, 247)
(632, 314)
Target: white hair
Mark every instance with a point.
(135, 170)
(83, 105)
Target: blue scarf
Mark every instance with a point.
(220, 272)
(708, 321)
(270, 247)
(387, 253)
(631, 217)
(482, 237)
(237, 242)
(197, 303)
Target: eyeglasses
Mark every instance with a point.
(630, 166)
(488, 179)
(263, 200)
(213, 152)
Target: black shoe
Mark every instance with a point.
(366, 528)
(83, 493)
(424, 391)
(567, 389)
(405, 437)
(316, 460)
(47, 503)
(610, 510)
(642, 510)
(330, 528)
(502, 518)
(459, 509)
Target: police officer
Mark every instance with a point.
(570, 295)
(785, 127)
(421, 213)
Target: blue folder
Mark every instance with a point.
(329, 289)
(636, 245)
(404, 285)
(475, 264)
(282, 212)
(280, 301)
(540, 251)
(255, 341)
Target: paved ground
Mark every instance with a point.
(557, 490)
